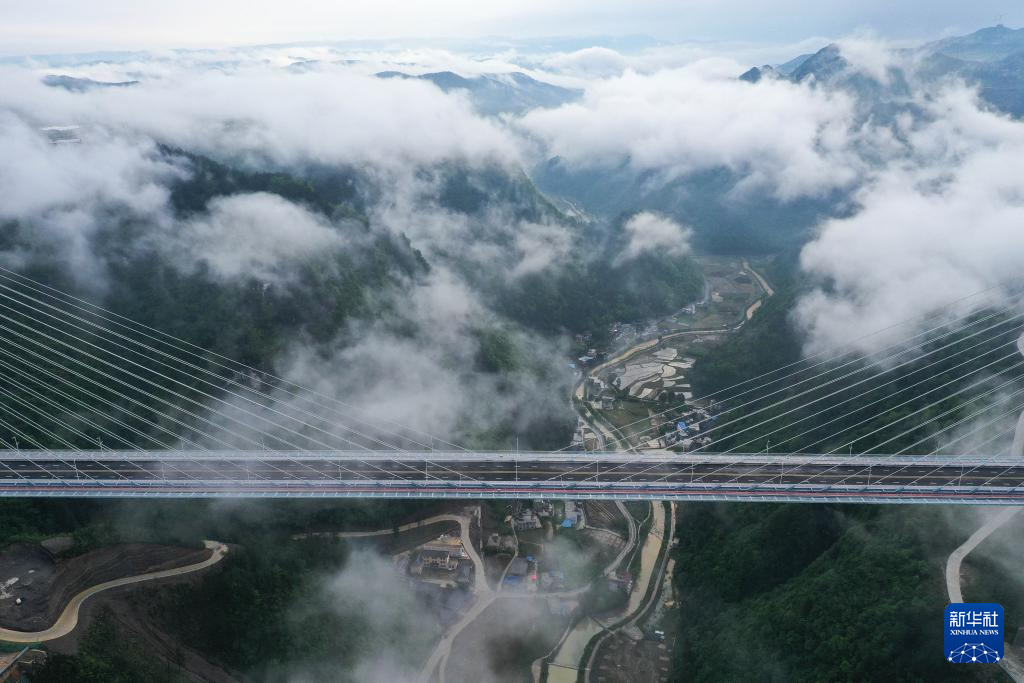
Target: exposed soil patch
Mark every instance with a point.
(36, 586)
(625, 659)
(131, 607)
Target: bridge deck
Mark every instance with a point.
(650, 475)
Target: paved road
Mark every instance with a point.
(1013, 668)
(444, 648)
(657, 576)
(655, 474)
(480, 581)
(956, 558)
(484, 593)
(630, 542)
(765, 287)
(68, 619)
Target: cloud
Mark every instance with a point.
(417, 371)
(37, 177)
(260, 114)
(418, 363)
(591, 62)
(244, 109)
(940, 225)
(539, 246)
(395, 629)
(930, 201)
(649, 231)
(490, 243)
(58, 197)
(871, 57)
(919, 182)
(253, 235)
(790, 139)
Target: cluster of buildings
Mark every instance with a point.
(623, 333)
(534, 514)
(525, 516)
(527, 572)
(590, 358)
(584, 437)
(528, 518)
(524, 574)
(521, 573)
(444, 561)
(584, 339)
(687, 431)
(552, 581)
(501, 543)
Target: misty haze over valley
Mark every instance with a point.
(355, 351)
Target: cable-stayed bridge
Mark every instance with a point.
(94, 404)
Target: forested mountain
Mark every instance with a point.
(82, 84)
(812, 592)
(493, 94)
(820, 592)
(879, 94)
(895, 399)
(984, 45)
(355, 261)
(724, 219)
(248, 318)
(990, 59)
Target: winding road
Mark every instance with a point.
(484, 593)
(479, 580)
(1013, 668)
(648, 592)
(68, 619)
(630, 542)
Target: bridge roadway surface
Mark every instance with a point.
(656, 475)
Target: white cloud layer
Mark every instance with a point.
(935, 190)
(590, 62)
(260, 114)
(788, 138)
(649, 231)
(942, 222)
(253, 235)
(428, 381)
(935, 195)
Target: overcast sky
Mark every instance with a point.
(52, 26)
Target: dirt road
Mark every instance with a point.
(68, 619)
(767, 288)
